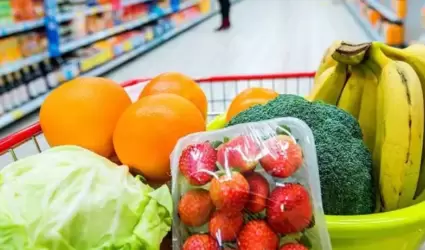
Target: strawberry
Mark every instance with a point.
(289, 209)
(293, 246)
(255, 235)
(229, 193)
(225, 226)
(258, 192)
(200, 242)
(283, 157)
(241, 152)
(196, 163)
(195, 207)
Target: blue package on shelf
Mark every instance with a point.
(158, 11)
(175, 5)
(92, 2)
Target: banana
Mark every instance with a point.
(327, 60)
(414, 55)
(400, 116)
(351, 95)
(330, 84)
(367, 112)
(367, 118)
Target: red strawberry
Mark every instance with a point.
(293, 246)
(225, 226)
(283, 157)
(289, 209)
(257, 235)
(241, 152)
(258, 192)
(196, 161)
(229, 193)
(200, 242)
(195, 207)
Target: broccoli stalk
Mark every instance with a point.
(345, 165)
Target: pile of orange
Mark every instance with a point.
(97, 114)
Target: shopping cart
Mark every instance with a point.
(403, 229)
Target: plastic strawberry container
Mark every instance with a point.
(249, 186)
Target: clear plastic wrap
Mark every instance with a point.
(249, 187)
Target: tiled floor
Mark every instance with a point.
(267, 36)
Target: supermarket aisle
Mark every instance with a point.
(267, 36)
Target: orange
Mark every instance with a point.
(84, 112)
(148, 130)
(179, 84)
(249, 98)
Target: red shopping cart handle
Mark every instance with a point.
(218, 79)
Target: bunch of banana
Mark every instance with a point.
(338, 70)
(381, 86)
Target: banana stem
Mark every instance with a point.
(351, 54)
(391, 51)
(377, 56)
(373, 66)
(341, 68)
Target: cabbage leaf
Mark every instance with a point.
(68, 198)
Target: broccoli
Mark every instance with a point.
(345, 165)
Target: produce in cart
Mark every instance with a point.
(97, 114)
(179, 84)
(382, 94)
(249, 98)
(84, 112)
(344, 161)
(71, 198)
(261, 179)
(384, 91)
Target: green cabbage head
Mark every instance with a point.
(70, 198)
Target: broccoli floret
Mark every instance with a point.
(326, 111)
(256, 114)
(345, 164)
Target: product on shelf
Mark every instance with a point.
(50, 72)
(23, 10)
(32, 43)
(21, 87)
(28, 79)
(7, 101)
(135, 11)
(11, 50)
(6, 17)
